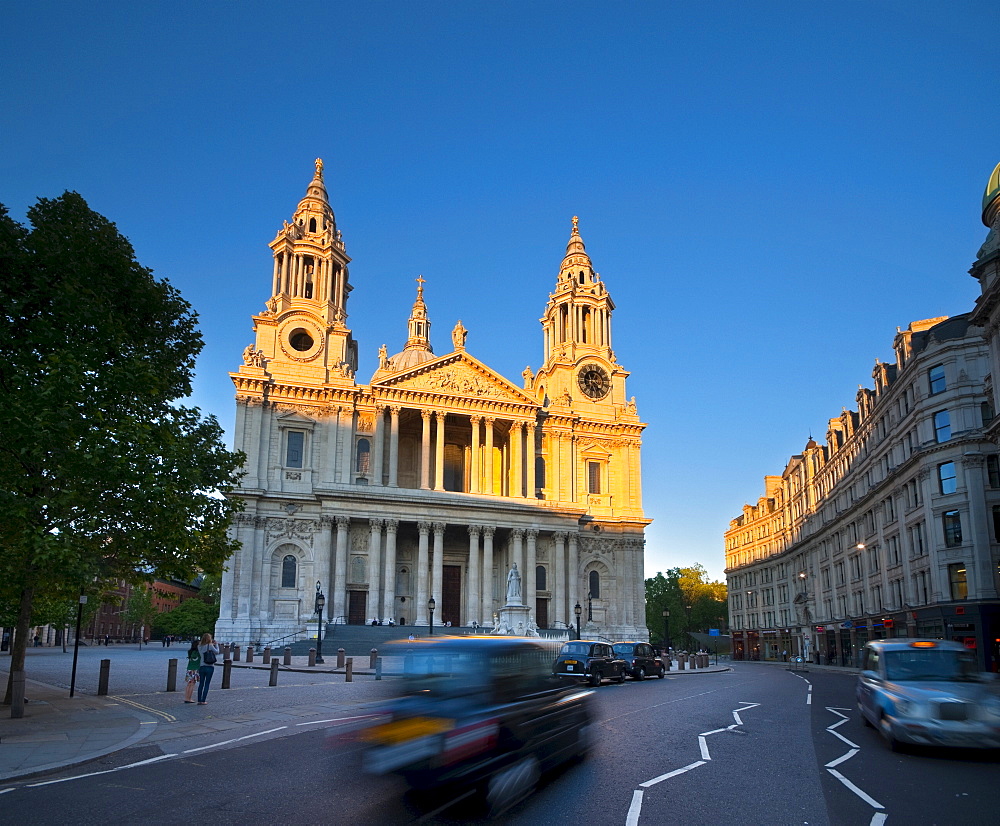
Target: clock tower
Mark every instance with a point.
(579, 365)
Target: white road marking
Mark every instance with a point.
(235, 740)
(878, 819)
(704, 746)
(106, 771)
(634, 809)
(869, 800)
(674, 773)
(336, 720)
(4, 791)
(845, 756)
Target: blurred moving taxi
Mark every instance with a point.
(928, 692)
(481, 712)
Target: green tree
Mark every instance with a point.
(695, 603)
(190, 619)
(106, 474)
(140, 610)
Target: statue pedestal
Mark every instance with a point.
(516, 621)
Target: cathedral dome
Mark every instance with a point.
(991, 197)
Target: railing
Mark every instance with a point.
(294, 634)
(341, 620)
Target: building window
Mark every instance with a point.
(952, 522)
(993, 470)
(288, 570)
(540, 578)
(986, 412)
(595, 584)
(936, 378)
(364, 456)
(295, 441)
(594, 477)
(942, 426)
(959, 582)
(946, 477)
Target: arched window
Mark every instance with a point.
(595, 584)
(312, 224)
(364, 456)
(288, 570)
(540, 578)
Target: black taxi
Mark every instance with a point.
(480, 712)
(589, 660)
(641, 660)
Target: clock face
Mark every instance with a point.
(594, 381)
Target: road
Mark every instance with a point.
(756, 745)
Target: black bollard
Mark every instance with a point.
(172, 675)
(288, 655)
(274, 673)
(372, 657)
(266, 659)
(227, 672)
(378, 668)
(102, 682)
(312, 657)
(349, 671)
(249, 653)
(340, 657)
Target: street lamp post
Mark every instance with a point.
(687, 608)
(430, 607)
(577, 610)
(76, 642)
(666, 630)
(320, 604)
(590, 606)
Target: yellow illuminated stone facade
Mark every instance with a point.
(438, 475)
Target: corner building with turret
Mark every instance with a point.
(433, 480)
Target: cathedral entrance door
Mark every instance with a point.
(357, 607)
(542, 613)
(451, 597)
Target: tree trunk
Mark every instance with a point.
(19, 643)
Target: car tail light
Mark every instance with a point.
(467, 741)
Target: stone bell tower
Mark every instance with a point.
(302, 336)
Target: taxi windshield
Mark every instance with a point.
(624, 648)
(929, 664)
(581, 649)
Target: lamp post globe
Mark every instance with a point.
(577, 610)
(430, 608)
(320, 605)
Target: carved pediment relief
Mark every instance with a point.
(458, 375)
(594, 450)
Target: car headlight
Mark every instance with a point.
(906, 708)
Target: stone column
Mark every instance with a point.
(488, 456)
(559, 578)
(472, 577)
(257, 576)
(324, 554)
(347, 456)
(516, 460)
(378, 448)
(439, 451)
(389, 600)
(530, 586)
(529, 460)
(340, 568)
(423, 563)
(573, 573)
(474, 471)
(394, 446)
(374, 564)
(487, 589)
(437, 565)
(425, 449)
(517, 554)
(981, 578)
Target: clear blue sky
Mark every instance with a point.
(768, 189)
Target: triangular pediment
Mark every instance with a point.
(457, 374)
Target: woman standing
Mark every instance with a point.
(209, 652)
(194, 663)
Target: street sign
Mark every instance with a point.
(713, 632)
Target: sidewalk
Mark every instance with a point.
(57, 731)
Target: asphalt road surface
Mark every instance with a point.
(757, 745)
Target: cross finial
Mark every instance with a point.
(576, 222)
(319, 168)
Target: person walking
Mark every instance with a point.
(191, 678)
(209, 652)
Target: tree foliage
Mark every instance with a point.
(190, 619)
(695, 604)
(106, 476)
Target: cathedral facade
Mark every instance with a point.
(427, 485)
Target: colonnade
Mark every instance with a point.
(292, 274)
(520, 479)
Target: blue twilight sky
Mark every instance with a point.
(768, 189)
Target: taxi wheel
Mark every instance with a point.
(641, 674)
(621, 678)
(660, 674)
(595, 679)
(894, 744)
(512, 784)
